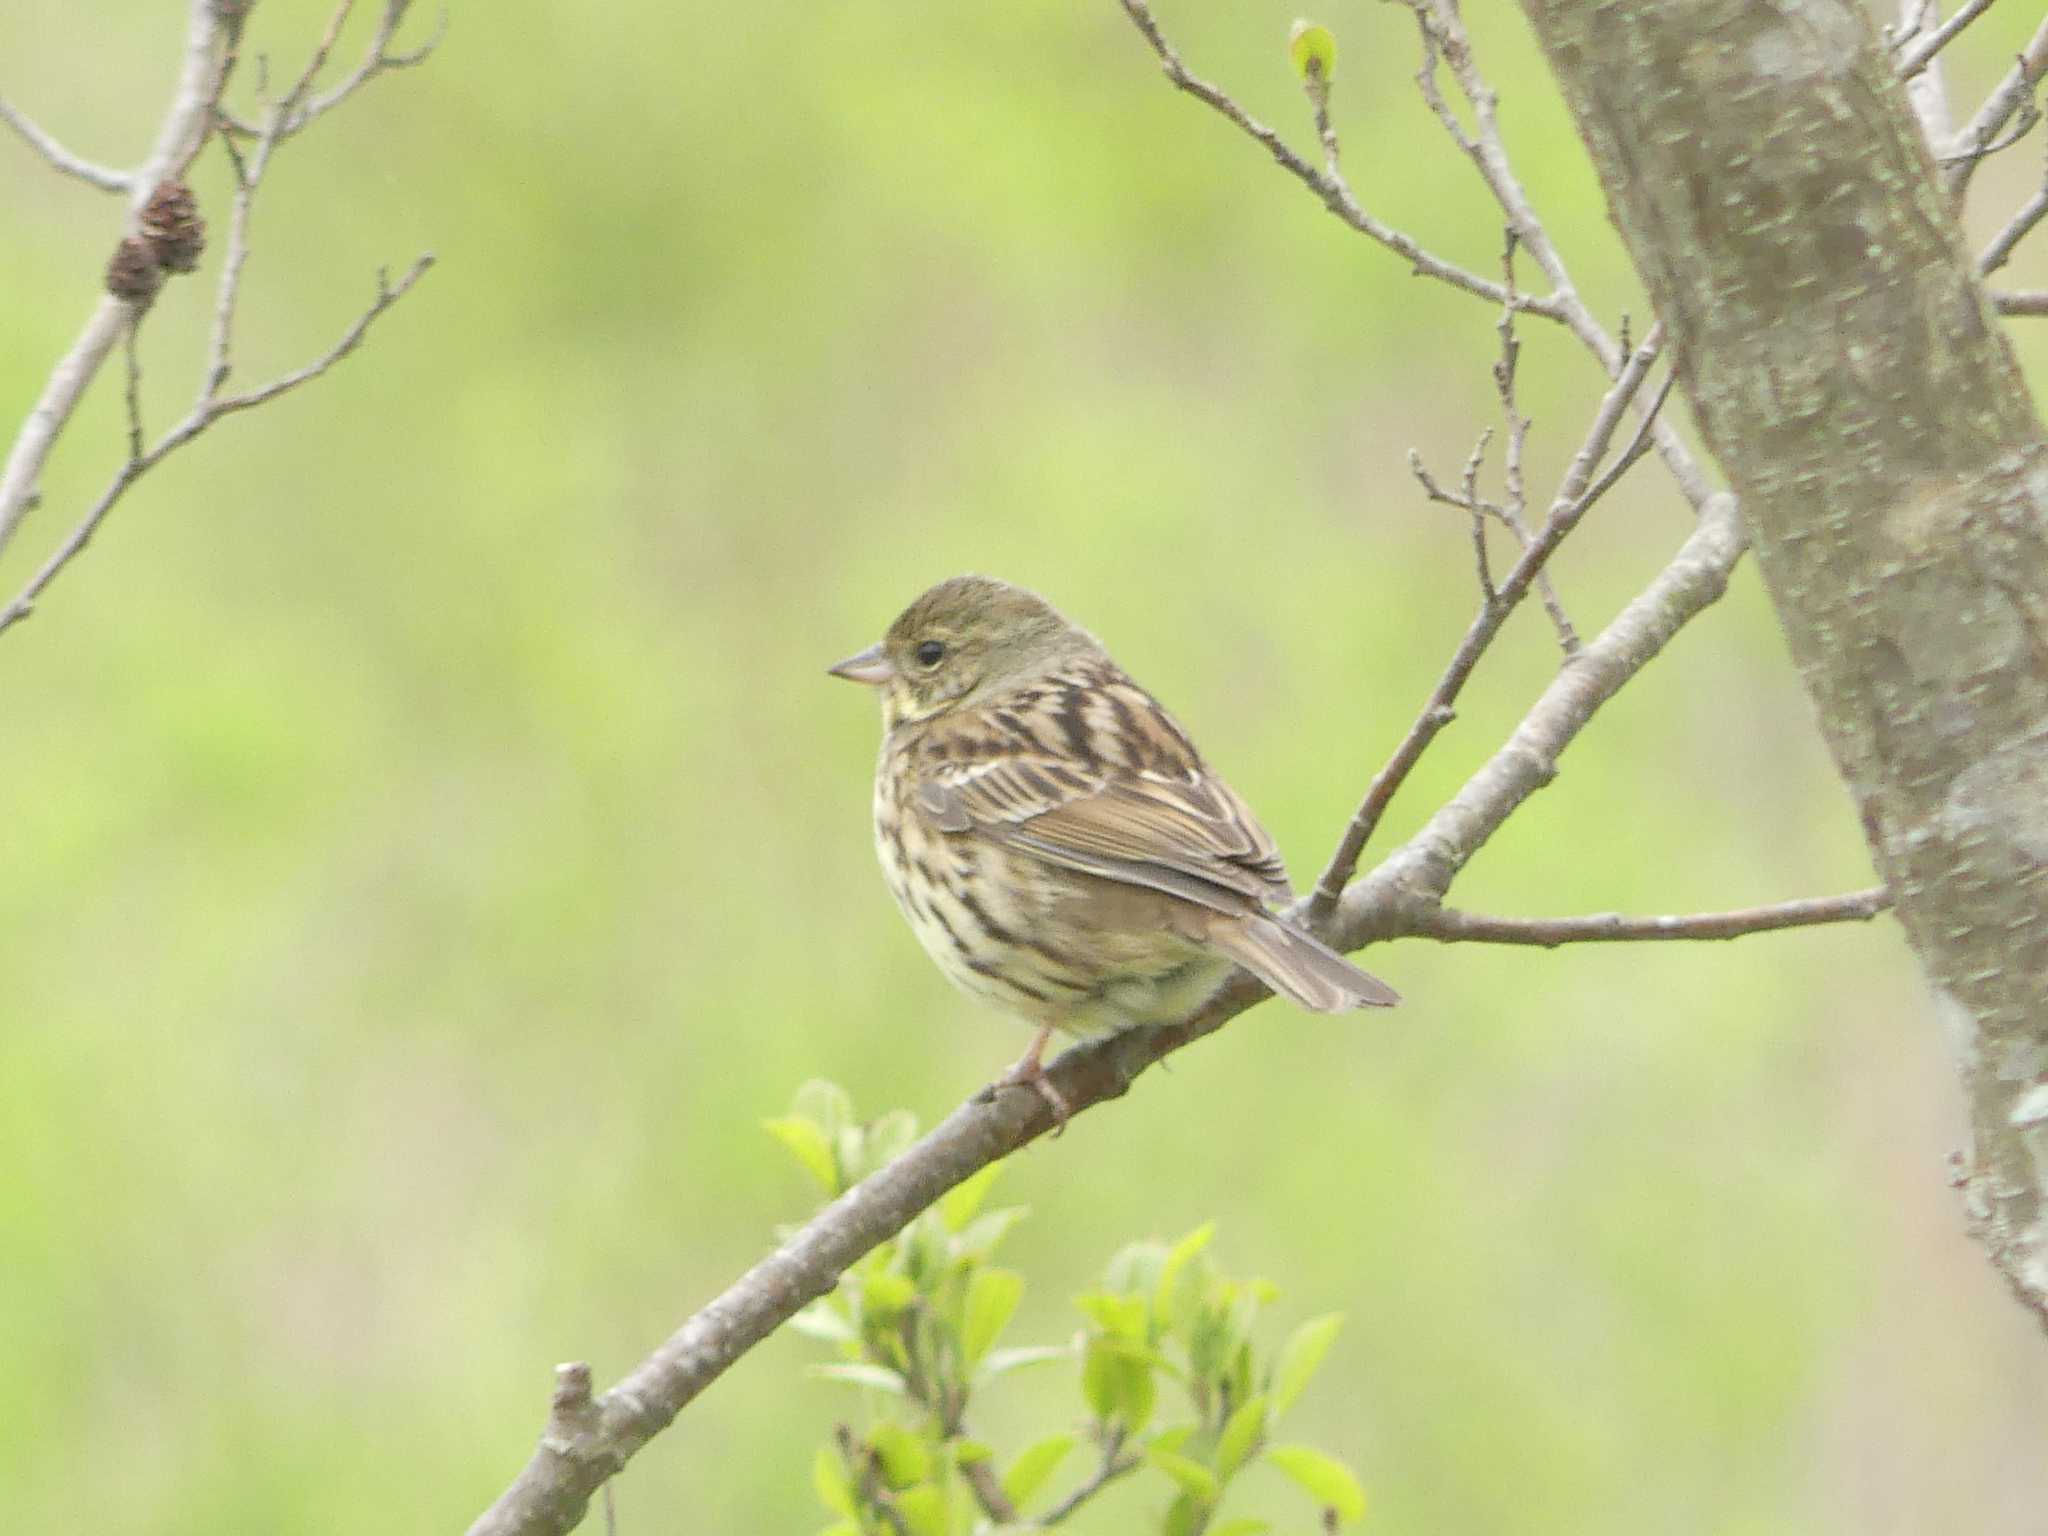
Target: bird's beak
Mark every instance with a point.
(869, 666)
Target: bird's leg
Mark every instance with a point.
(1029, 1072)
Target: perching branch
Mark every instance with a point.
(1455, 927)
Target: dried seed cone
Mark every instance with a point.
(133, 274)
(172, 226)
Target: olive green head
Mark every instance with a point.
(966, 638)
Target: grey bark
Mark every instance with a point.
(1765, 171)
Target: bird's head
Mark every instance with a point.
(966, 638)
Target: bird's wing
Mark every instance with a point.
(1089, 772)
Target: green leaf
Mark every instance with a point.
(903, 1458)
(1177, 1260)
(992, 1297)
(967, 1452)
(1174, 1438)
(1241, 1435)
(835, 1488)
(1299, 1357)
(1034, 1464)
(1328, 1481)
(923, 1510)
(1183, 1516)
(1000, 1362)
(887, 1292)
(1101, 1378)
(958, 1205)
(1116, 1381)
(1121, 1317)
(859, 1374)
(807, 1144)
(1196, 1480)
(824, 1104)
(1312, 50)
(1139, 1391)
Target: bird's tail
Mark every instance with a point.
(1299, 967)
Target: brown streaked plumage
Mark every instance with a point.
(1054, 838)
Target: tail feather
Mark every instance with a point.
(1299, 967)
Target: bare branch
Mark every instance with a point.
(1112, 1466)
(2030, 302)
(1412, 880)
(185, 126)
(1453, 927)
(1574, 497)
(1926, 87)
(1920, 53)
(1444, 38)
(1333, 192)
(988, 1492)
(2016, 229)
(133, 394)
(1514, 496)
(60, 158)
(379, 58)
(209, 409)
(2013, 93)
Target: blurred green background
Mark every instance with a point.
(431, 845)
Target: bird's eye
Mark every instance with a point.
(929, 652)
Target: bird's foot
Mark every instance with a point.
(1029, 1072)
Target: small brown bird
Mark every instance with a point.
(1055, 840)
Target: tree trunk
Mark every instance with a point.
(1763, 165)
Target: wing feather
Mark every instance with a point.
(1044, 774)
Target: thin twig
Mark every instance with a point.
(1335, 195)
(2023, 302)
(2029, 115)
(1576, 494)
(133, 394)
(1921, 54)
(2016, 229)
(2013, 92)
(186, 124)
(1451, 926)
(1443, 35)
(378, 58)
(104, 177)
(203, 415)
(1112, 1466)
(1927, 88)
(988, 1492)
(1514, 495)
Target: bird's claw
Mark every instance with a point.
(1030, 1073)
